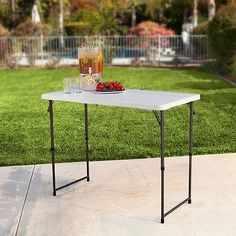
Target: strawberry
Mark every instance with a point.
(115, 86)
(106, 84)
(100, 87)
(99, 84)
(118, 87)
(110, 85)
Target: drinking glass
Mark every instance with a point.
(69, 85)
(77, 85)
(66, 85)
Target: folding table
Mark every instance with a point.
(141, 99)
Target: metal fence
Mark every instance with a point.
(117, 50)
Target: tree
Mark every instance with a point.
(195, 13)
(61, 23)
(222, 37)
(133, 10)
(177, 13)
(4, 13)
(154, 6)
(13, 9)
(211, 9)
(24, 8)
(131, 5)
(5, 47)
(109, 12)
(77, 5)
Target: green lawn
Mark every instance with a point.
(115, 133)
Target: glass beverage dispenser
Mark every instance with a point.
(90, 67)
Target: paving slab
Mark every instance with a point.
(14, 182)
(123, 198)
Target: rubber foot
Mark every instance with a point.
(189, 201)
(54, 194)
(88, 179)
(162, 221)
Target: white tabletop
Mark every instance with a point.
(142, 99)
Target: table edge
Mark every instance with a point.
(195, 97)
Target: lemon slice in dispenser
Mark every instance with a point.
(88, 83)
(91, 82)
(85, 60)
(84, 82)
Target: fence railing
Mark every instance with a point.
(117, 50)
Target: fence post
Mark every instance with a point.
(159, 50)
(41, 46)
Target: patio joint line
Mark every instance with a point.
(26, 195)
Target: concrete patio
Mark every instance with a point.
(123, 198)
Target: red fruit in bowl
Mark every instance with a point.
(100, 85)
(110, 86)
(115, 85)
(105, 84)
(118, 88)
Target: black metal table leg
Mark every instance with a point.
(52, 149)
(50, 109)
(86, 138)
(162, 143)
(190, 151)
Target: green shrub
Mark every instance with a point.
(5, 46)
(222, 38)
(3, 31)
(4, 13)
(87, 22)
(201, 29)
(29, 28)
(233, 67)
(77, 28)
